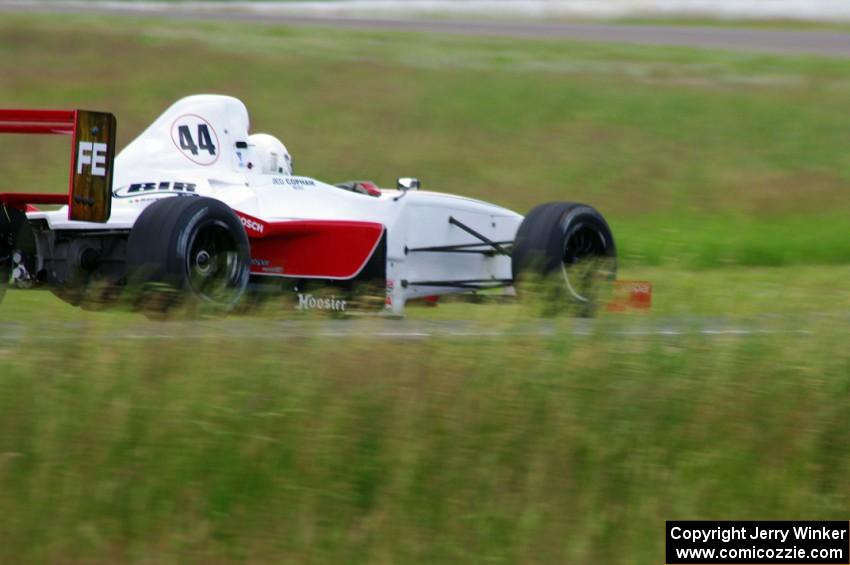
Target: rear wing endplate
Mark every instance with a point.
(89, 196)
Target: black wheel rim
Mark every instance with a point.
(214, 266)
(585, 262)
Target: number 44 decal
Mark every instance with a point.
(187, 142)
(196, 139)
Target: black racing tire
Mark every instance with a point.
(570, 246)
(188, 249)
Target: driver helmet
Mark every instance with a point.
(270, 156)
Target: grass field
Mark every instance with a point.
(725, 177)
(563, 449)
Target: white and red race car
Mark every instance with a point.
(199, 206)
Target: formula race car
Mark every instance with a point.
(196, 209)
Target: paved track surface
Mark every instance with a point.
(262, 330)
(831, 44)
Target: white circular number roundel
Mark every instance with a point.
(196, 139)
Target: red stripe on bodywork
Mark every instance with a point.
(324, 249)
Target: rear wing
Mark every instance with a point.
(89, 196)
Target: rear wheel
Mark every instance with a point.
(570, 249)
(188, 248)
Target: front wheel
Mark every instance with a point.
(570, 249)
(191, 248)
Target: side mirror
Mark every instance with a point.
(407, 183)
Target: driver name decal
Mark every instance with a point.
(295, 182)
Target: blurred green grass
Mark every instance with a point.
(699, 158)
(563, 449)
